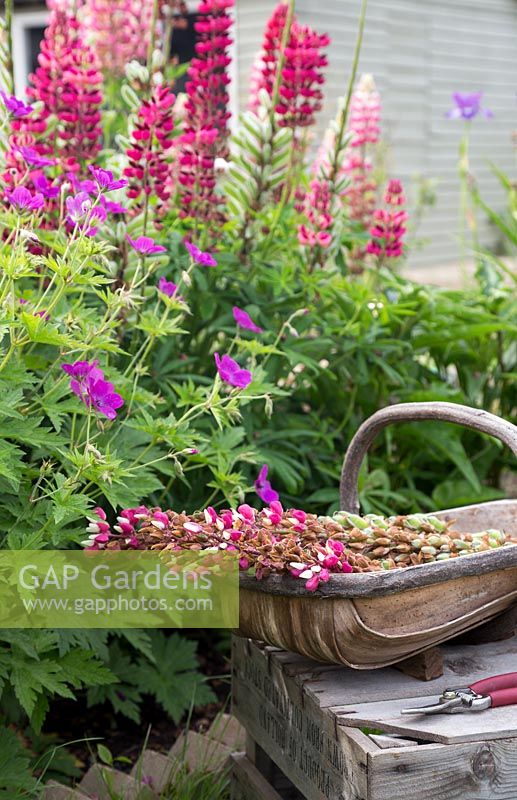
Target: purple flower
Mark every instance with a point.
(145, 245)
(89, 385)
(31, 156)
(43, 313)
(90, 187)
(104, 398)
(467, 106)
(105, 180)
(167, 287)
(230, 372)
(17, 108)
(111, 207)
(205, 259)
(243, 319)
(78, 207)
(263, 487)
(81, 373)
(96, 218)
(23, 200)
(43, 185)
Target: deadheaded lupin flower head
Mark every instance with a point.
(467, 106)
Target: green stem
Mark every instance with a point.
(467, 209)
(338, 146)
(9, 41)
(152, 36)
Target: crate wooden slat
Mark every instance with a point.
(499, 723)
(248, 782)
(293, 710)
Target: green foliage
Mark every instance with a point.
(165, 668)
(15, 779)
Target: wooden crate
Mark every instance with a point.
(305, 723)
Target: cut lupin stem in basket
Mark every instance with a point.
(312, 548)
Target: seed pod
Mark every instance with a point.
(380, 551)
(428, 550)
(414, 521)
(357, 522)
(439, 524)
(459, 544)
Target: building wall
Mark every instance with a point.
(420, 52)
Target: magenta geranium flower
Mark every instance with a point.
(82, 373)
(145, 245)
(31, 156)
(112, 207)
(90, 187)
(167, 287)
(78, 207)
(23, 200)
(243, 320)
(105, 180)
(467, 105)
(15, 107)
(231, 372)
(88, 383)
(197, 255)
(263, 487)
(43, 185)
(96, 218)
(104, 398)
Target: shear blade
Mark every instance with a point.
(436, 708)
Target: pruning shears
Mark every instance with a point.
(500, 690)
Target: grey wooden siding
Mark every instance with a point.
(420, 52)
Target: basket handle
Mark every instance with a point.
(411, 412)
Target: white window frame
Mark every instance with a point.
(22, 21)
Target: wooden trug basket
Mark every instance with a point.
(371, 620)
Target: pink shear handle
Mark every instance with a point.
(502, 689)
